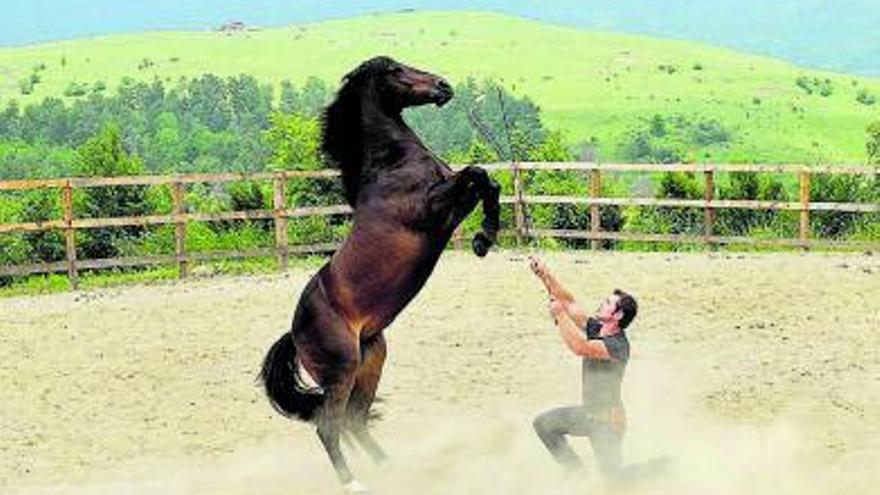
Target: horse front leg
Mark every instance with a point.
(489, 191)
(458, 195)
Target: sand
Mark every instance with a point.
(755, 373)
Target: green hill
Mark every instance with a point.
(595, 86)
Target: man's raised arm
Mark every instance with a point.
(558, 292)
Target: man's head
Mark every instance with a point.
(619, 307)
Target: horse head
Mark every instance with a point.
(397, 86)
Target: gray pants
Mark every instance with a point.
(606, 439)
(552, 426)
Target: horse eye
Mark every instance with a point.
(397, 70)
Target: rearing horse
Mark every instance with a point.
(407, 203)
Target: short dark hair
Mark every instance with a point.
(628, 305)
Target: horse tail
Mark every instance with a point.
(284, 385)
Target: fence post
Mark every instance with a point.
(70, 236)
(805, 208)
(281, 222)
(709, 211)
(595, 214)
(178, 195)
(518, 206)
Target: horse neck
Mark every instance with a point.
(386, 138)
(365, 140)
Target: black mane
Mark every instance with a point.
(342, 136)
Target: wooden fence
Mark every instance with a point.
(280, 214)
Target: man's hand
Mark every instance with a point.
(538, 266)
(557, 309)
(564, 299)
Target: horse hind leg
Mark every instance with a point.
(329, 427)
(373, 354)
(329, 351)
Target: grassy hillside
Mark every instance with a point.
(593, 85)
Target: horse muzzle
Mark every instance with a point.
(442, 93)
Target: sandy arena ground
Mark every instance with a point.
(756, 373)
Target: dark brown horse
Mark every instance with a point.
(407, 203)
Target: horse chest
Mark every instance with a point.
(377, 272)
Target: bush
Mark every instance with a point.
(47, 246)
(804, 83)
(667, 220)
(872, 145)
(657, 126)
(312, 230)
(245, 196)
(743, 185)
(710, 132)
(670, 139)
(865, 97)
(680, 185)
(26, 86)
(841, 188)
(824, 86)
(76, 89)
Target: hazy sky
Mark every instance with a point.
(840, 34)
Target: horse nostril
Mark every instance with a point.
(442, 92)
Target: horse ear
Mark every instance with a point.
(367, 66)
(351, 75)
(354, 74)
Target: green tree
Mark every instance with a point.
(105, 156)
(165, 149)
(22, 160)
(554, 148)
(294, 140)
(206, 99)
(315, 96)
(10, 121)
(290, 98)
(873, 143)
(478, 152)
(46, 121)
(294, 143)
(250, 102)
(513, 124)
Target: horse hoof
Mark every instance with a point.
(481, 244)
(355, 487)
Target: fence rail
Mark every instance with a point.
(280, 214)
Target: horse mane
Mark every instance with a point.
(342, 141)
